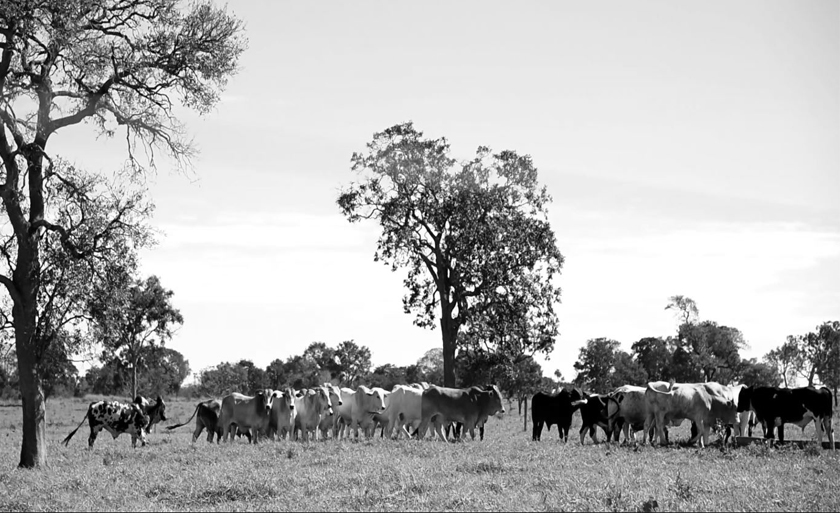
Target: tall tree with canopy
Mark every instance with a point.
(473, 236)
(787, 359)
(130, 317)
(112, 63)
(595, 364)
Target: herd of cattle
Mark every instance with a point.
(330, 411)
(653, 408)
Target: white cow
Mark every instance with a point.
(368, 402)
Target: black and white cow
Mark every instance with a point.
(116, 418)
(156, 411)
(593, 412)
(775, 407)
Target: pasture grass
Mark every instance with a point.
(507, 471)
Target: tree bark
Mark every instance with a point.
(133, 380)
(33, 451)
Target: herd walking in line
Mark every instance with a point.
(329, 411)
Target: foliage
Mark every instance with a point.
(386, 376)
(474, 238)
(787, 359)
(654, 355)
(223, 379)
(713, 349)
(758, 374)
(164, 370)
(353, 360)
(130, 315)
(685, 309)
(595, 364)
(430, 366)
(257, 379)
(627, 371)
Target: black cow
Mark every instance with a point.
(156, 411)
(554, 409)
(774, 406)
(593, 412)
(116, 418)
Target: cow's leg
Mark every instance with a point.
(593, 434)
(537, 431)
(582, 433)
(481, 433)
(198, 429)
(94, 430)
(829, 429)
(781, 432)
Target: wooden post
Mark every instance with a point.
(525, 428)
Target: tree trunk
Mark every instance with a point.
(449, 331)
(133, 380)
(33, 451)
(525, 427)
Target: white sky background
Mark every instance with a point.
(690, 149)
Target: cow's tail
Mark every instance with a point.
(67, 440)
(170, 428)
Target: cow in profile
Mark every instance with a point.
(116, 418)
(469, 406)
(206, 417)
(156, 411)
(554, 409)
(774, 407)
(702, 403)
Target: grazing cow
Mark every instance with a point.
(246, 413)
(470, 406)
(281, 420)
(593, 413)
(156, 412)
(327, 423)
(206, 416)
(775, 407)
(309, 406)
(116, 418)
(367, 403)
(702, 403)
(627, 411)
(554, 409)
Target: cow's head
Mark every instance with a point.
(578, 398)
(335, 394)
(156, 412)
(286, 397)
(378, 400)
(495, 399)
(263, 401)
(323, 399)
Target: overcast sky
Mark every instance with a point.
(690, 148)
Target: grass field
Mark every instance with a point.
(507, 471)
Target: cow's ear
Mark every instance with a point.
(159, 398)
